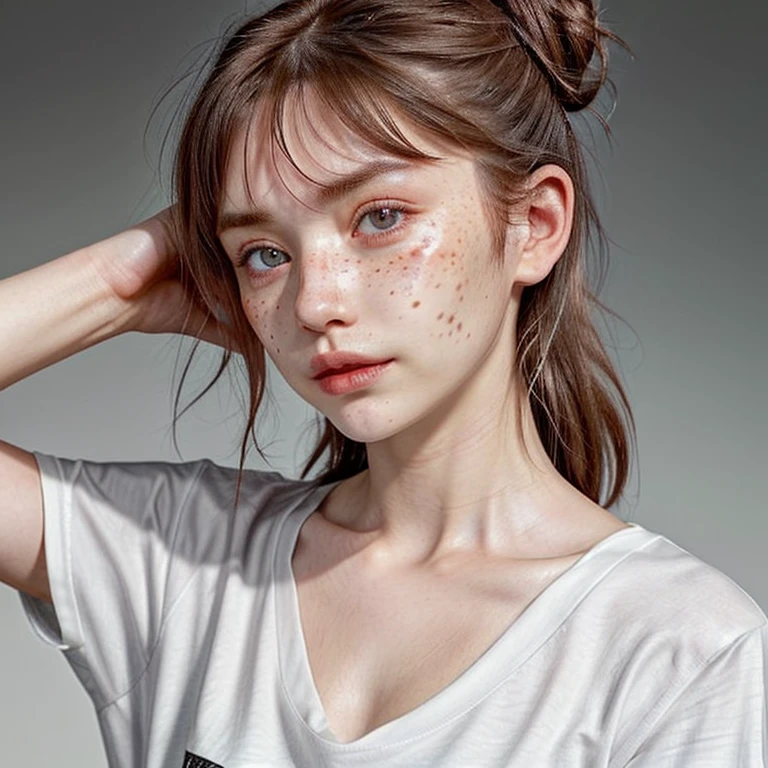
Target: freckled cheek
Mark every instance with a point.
(266, 321)
(453, 296)
(444, 281)
(256, 311)
(408, 274)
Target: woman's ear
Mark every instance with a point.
(546, 216)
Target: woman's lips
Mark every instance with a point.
(340, 361)
(351, 378)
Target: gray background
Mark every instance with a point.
(683, 199)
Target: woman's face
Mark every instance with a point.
(385, 258)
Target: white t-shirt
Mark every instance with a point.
(181, 620)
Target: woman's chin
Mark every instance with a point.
(366, 427)
(365, 435)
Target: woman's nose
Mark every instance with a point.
(325, 291)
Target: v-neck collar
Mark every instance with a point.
(522, 638)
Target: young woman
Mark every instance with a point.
(387, 198)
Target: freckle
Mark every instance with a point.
(271, 337)
(391, 293)
(378, 270)
(441, 316)
(450, 334)
(416, 304)
(438, 285)
(440, 336)
(461, 298)
(451, 319)
(400, 318)
(458, 287)
(263, 302)
(278, 306)
(459, 326)
(469, 335)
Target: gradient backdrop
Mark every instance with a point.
(682, 194)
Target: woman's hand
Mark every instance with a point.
(142, 269)
(128, 282)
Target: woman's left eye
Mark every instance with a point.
(380, 220)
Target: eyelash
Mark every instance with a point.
(382, 205)
(242, 259)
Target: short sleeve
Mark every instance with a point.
(719, 718)
(110, 536)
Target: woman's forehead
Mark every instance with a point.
(314, 148)
(307, 151)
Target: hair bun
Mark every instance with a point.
(562, 37)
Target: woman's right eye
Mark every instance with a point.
(263, 259)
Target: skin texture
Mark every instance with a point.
(453, 511)
(418, 291)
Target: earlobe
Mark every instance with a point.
(548, 215)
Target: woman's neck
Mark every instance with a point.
(465, 479)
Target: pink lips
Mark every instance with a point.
(339, 373)
(340, 362)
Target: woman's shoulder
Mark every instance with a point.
(255, 484)
(195, 500)
(239, 499)
(658, 588)
(198, 477)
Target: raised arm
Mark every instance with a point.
(125, 283)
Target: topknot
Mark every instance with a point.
(563, 37)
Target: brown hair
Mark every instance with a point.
(493, 77)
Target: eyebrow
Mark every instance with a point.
(328, 193)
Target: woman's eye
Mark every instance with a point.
(380, 220)
(263, 259)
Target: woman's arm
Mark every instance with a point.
(125, 283)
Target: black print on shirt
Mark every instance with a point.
(195, 761)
